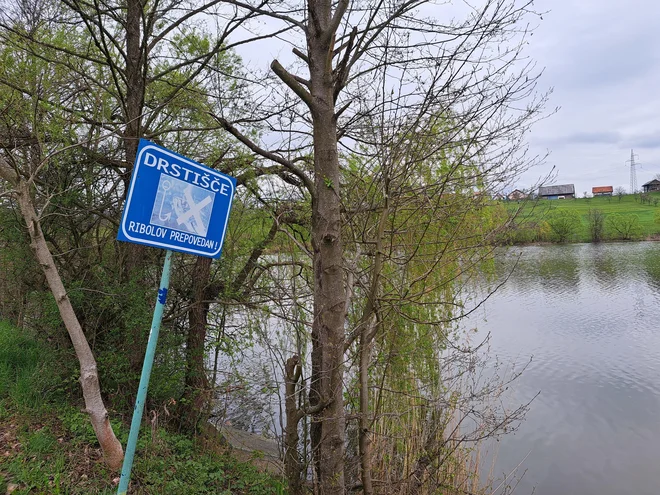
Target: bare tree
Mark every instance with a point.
(596, 221)
(620, 192)
(449, 85)
(396, 126)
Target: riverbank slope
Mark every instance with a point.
(627, 217)
(47, 444)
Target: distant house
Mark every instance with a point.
(602, 191)
(652, 185)
(515, 195)
(563, 191)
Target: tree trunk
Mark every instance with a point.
(89, 380)
(196, 392)
(329, 290)
(292, 464)
(365, 420)
(135, 79)
(368, 327)
(326, 387)
(135, 75)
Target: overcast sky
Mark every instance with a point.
(602, 60)
(602, 57)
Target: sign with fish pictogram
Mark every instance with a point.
(176, 203)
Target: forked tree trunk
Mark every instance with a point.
(89, 380)
(326, 399)
(326, 387)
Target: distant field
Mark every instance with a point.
(626, 205)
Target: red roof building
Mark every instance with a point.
(602, 191)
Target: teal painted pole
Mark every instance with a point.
(146, 374)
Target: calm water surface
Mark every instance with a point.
(590, 317)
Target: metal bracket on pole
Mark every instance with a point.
(144, 378)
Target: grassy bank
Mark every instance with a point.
(47, 445)
(626, 217)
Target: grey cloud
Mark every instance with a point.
(646, 141)
(603, 59)
(593, 137)
(609, 61)
(600, 43)
(577, 138)
(650, 140)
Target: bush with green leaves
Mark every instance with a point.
(624, 227)
(564, 224)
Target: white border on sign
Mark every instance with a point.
(176, 247)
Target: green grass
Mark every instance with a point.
(627, 205)
(24, 377)
(49, 447)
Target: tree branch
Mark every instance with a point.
(341, 72)
(7, 172)
(309, 184)
(259, 10)
(300, 54)
(336, 20)
(295, 86)
(178, 22)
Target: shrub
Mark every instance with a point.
(564, 224)
(596, 221)
(625, 227)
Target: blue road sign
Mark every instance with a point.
(176, 203)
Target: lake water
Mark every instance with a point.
(589, 315)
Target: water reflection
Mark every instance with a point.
(551, 268)
(588, 314)
(651, 266)
(558, 270)
(604, 268)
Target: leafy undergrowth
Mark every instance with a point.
(47, 446)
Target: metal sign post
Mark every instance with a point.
(146, 374)
(180, 205)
